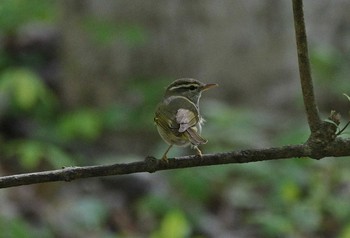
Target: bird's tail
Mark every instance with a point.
(194, 137)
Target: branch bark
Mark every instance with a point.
(313, 117)
(339, 147)
(322, 142)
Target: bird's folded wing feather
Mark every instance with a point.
(161, 121)
(194, 137)
(183, 120)
(168, 113)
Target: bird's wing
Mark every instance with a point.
(164, 120)
(181, 120)
(178, 113)
(186, 119)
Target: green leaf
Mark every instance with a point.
(346, 232)
(174, 225)
(83, 124)
(23, 87)
(31, 152)
(15, 13)
(290, 191)
(15, 228)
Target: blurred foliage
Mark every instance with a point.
(173, 225)
(143, 91)
(25, 95)
(23, 89)
(105, 32)
(31, 153)
(27, 100)
(287, 198)
(330, 66)
(83, 124)
(16, 13)
(82, 212)
(13, 228)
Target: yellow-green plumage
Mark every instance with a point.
(177, 117)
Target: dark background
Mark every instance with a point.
(79, 82)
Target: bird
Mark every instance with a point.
(177, 116)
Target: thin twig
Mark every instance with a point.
(341, 131)
(339, 148)
(313, 117)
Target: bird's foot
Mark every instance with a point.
(199, 152)
(165, 159)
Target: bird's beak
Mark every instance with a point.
(209, 86)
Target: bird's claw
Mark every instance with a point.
(199, 152)
(165, 159)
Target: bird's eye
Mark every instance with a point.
(192, 87)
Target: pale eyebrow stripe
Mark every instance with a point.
(183, 86)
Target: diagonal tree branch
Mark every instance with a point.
(339, 148)
(323, 142)
(304, 67)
